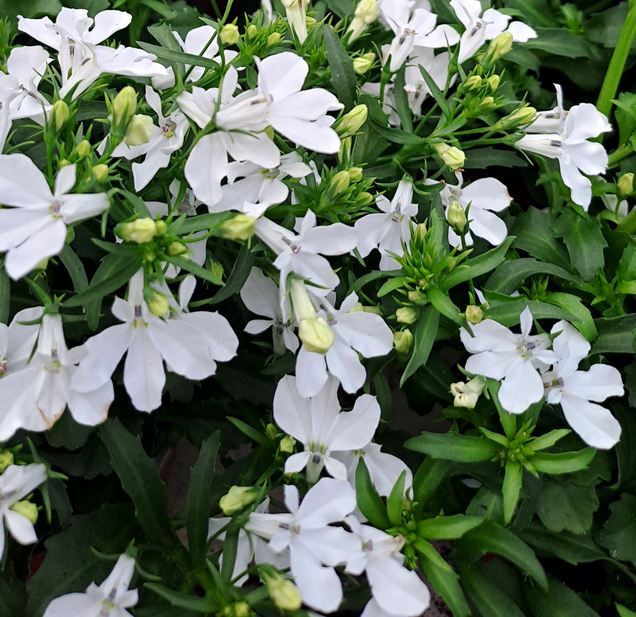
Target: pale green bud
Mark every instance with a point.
(499, 47)
(487, 103)
(6, 459)
(419, 233)
(241, 227)
(467, 394)
(100, 172)
(83, 148)
(59, 115)
(216, 268)
(237, 498)
(285, 594)
(362, 64)
(473, 82)
(456, 217)
(140, 230)
(252, 31)
(287, 444)
(124, 106)
(358, 307)
(402, 341)
(70, 235)
(474, 314)
(162, 227)
(64, 163)
(43, 263)
(355, 174)
(364, 198)
(274, 38)
(366, 13)
(271, 431)
(351, 122)
(27, 509)
(176, 248)
(139, 130)
(453, 157)
(407, 315)
(238, 609)
(626, 184)
(493, 82)
(414, 296)
(158, 305)
(340, 182)
(229, 34)
(520, 117)
(316, 335)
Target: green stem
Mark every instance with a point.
(617, 63)
(619, 154)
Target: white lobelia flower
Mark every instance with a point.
(296, 11)
(576, 155)
(575, 390)
(110, 599)
(16, 482)
(485, 196)
(82, 60)
(396, 590)
(320, 425)
(261, 296)
(550, 121)
(386, 231)
(480, 29)
(188, 343)
(17, 341)
(418, 29)
(510, 358)
(166, 139)
(388, 105)
(436, 66)
(302, 253)
(36, 396)
(259, 188)
(35, 228)
(355, 333)
(311, 541)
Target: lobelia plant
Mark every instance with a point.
(364, 261)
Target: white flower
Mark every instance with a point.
(15, 484)
(485, 196)
(611, 203)
(17, 341)
(110, 599)
(82, 60)
(388, 106)
(260, 295)
(510, 358)
(189, 344)
(396, 590)
(36, 396)
(574, 390)
(302, 253)
(418, 30)
(436, 67)
(306, 532)
(320, 425)
(35, 228)
(166, 139)
(481, 29)
(296, 11)
(573, 150)
(387, 231)
(550, 121)
(355, 333)
(259, 187)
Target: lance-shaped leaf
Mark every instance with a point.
(454, 447)
(395, 501)
(425, 333)
(182, 600)
(566, 462)
(447, 527)
(369, 501)
(513, 479)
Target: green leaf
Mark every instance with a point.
(584, 241)
(140, 479)
(160, 7)
(193, 268)
(395, 501)
(493, 538)
(615, 335)
(369, 502)
(481, 158)
(240, 271)
(524, 58)
(342, 8)
(447, 527)
(436, 93)
(549, 439)
(454, 447)
(559, 42)
(182, 600)
(573, 304)
(508, 313)
(178, 56)
(5, 296)
(510, 276)
(445, 306)
(513, 479)
(557, 601)
(187, 225)
(566, 462)
(536, 12)
(138, 204)
(397, 136)
(425, 332)
(75, 268)
(402, 101)
(623, 611)
(567, 506)
(429, 477)
(618, 535)
(343, 77)
(198, 504)
(12, 593)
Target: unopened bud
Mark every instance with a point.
(43, 263)
(358, 307)
(296, 11)
(140, 230)
(520, 117)
(415, 296)
(162, 227)
(473, 82)
(351, 122)
(27, 509)
(355, 174)
(274, 38)
(486, 104)
(407, 314)
(364, 198)
(83, 148)
(402, 341)
(456, 217)
(499, 47)
(316, 335)
(59, 115)
(6, 459)
(285, 594)
(362, 64)
(252, 31)
(139, 130)
(237, 498)
(241, 227)
(238, 609)
(287, 444)
(340, 182)
(64, 163)
(626, 184)
(70, 235)
(474, 314)
(453, 157)
(176, 248)
(493, 82)
(419, 234)
(467, 394)
(100, 172)
(230, 34)
(216, 269)
(271, 431)
(158, 305)
(366, 13)
(124, 107)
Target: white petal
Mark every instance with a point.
(73, 605)
(320, 586)
(80, 207)
(311, 372)
(20, 527)
(91, 408)
(328, 501)
(396, 589)
(282, 75)
(596, 426)
(292, 412)
(367, 333)
(521, 388)
(260, 294)
(206, 167)
(354, 429)
(144, 376)
(597, 384)
(22, 183)
(344, 363)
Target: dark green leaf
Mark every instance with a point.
(513, 479)
(342, 76)
(572, 304)
(75, 268)
(445, 306)
(402, 101)
(454, 447)
(429, 477)
(240, 271)
(619, 532)
(425, 332)
(481, 158)
(193, 268)
(508, 313)
(163, 35)
(615, 335)
(178, 56)
(395, 501)
(536, 12)
(567, 506)
(510, 275)
(557, 601)
(369, 502)
(559, 42)
(182, 600)
(397, 136)
(5, 296)
(436, 93)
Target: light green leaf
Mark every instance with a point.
(566, 462)
(454, 447)
(510, 276)
(447, 527)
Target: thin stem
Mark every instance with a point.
(619, 154)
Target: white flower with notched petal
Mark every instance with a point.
(188, 344)
(15, 484)
(36, 396)
(575, 390)
(166, 139)
(485, 196)
(386, 231)
(435, 65)
(396, 590)
(576, 155)
(480, 29)
(110, 599)
(35, 228)
(510, 358)
(261, 296)
(311, 541)
(320, 425)
(549, 121)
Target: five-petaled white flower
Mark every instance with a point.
(435, 65)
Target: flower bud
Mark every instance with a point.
(83, 148)
(238, 609)
(287, 444)
(456, 217)
(158, 305)
(59, 115)
(402, 341)
(162, 227)
(252, 31)
(176, 248)
(473, 83)
(340, 182)
(362, 64)
(499, 47)
(474, 314)
(273, 38)
(467, 394)
(229, 34)
(27, 509)
(626, 184)
(139, 130)
(493, 82)
(6, 459)
(237, 498)
(419, 233)
(216, 269)
(42, 264)
(100, 172)
(452, 156)
(316, 335)
(139, 231)
(301, 302)
(285, 594)
(486, 104)
(366, 13)
(364, 198)
(355, 173)
(414, 296)
(64, 163)
(70, 235)
(241, 227)
(296, 11)
(520, 117)
(124, 106)
(407, 314)
(271, 431)
(351, 122)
